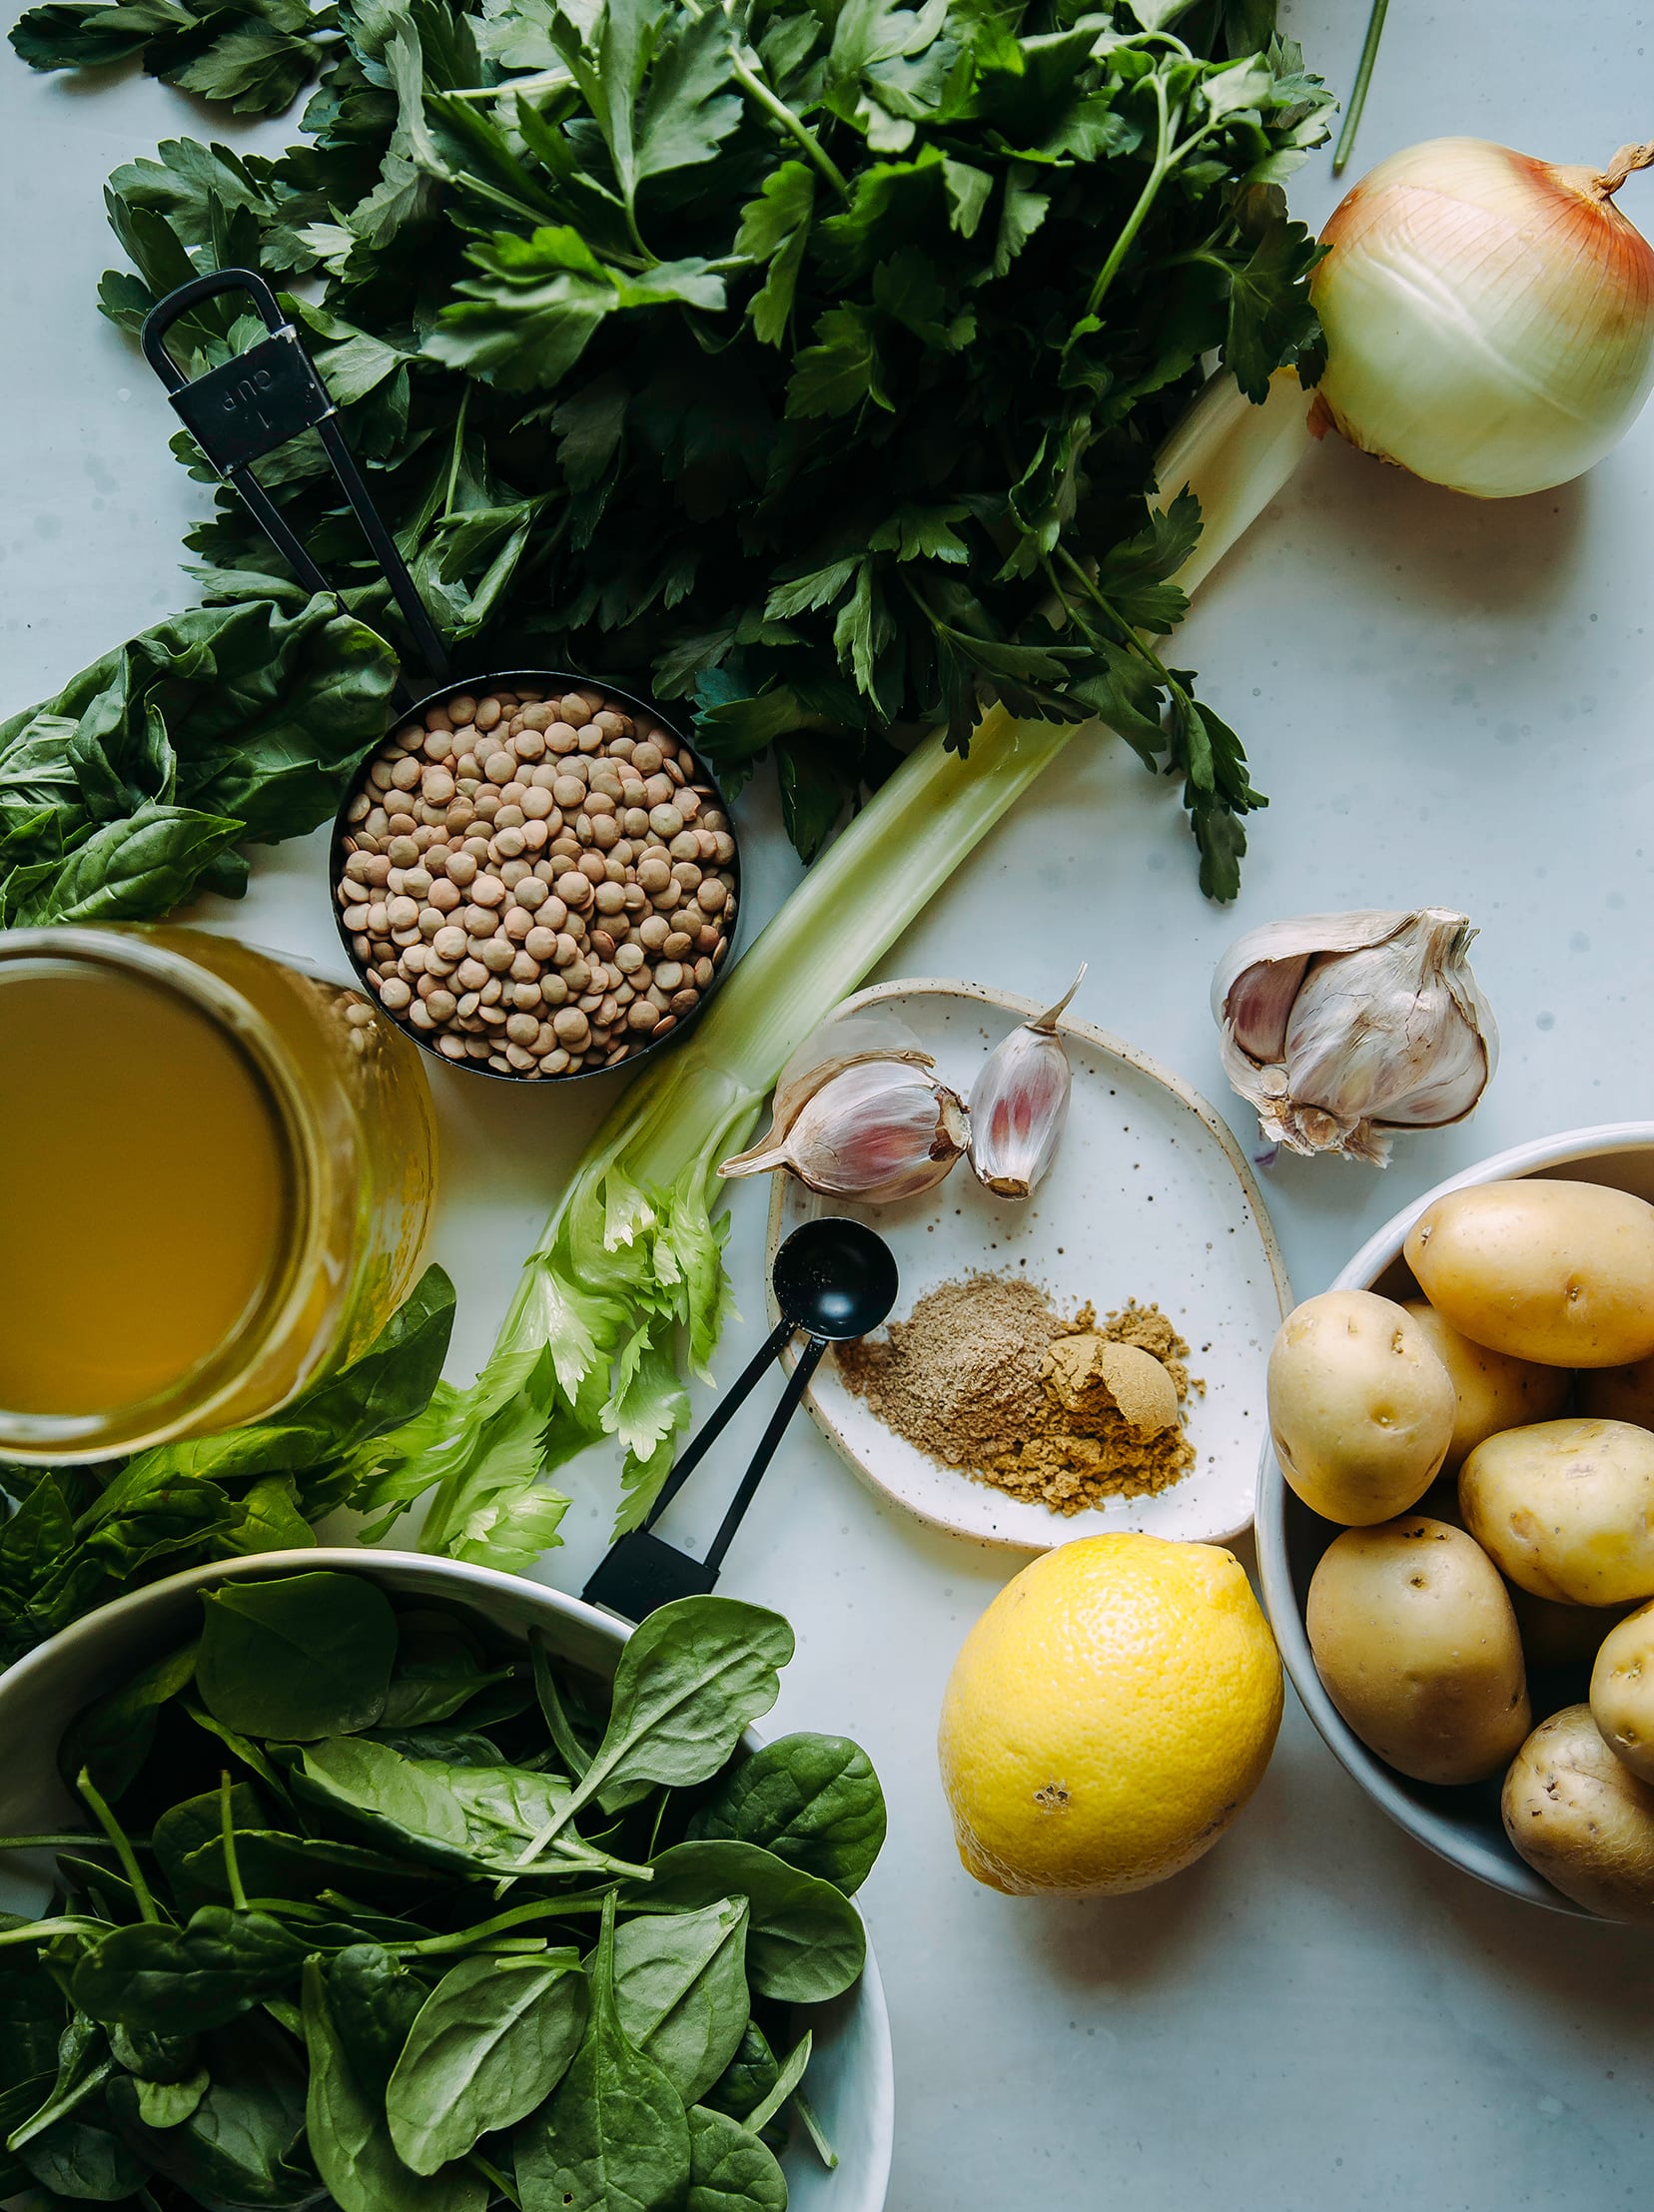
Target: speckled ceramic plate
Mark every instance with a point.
(1149, 1198)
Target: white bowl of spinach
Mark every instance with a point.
(396, 1883)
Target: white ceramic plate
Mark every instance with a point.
(1149, 1198)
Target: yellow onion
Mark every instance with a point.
(1489, 317)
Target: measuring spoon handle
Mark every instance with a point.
(809, 1359)
(729, 1408)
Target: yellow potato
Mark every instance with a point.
(1360, 1407)
(1566, 1508)
(1413, 1635)
(1493, 1391)
(1560, 1272)
(1620, 1393)
(1582, 1819)
(1622, 1692)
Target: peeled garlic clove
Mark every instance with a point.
(1342, 1028)
(1019, 1104)
(878, 1129)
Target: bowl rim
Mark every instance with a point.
(1497, 1866)
(20, 1677)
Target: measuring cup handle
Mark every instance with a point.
(164, 313)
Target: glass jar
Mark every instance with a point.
(216, 1174)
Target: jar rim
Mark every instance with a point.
(187, 1404)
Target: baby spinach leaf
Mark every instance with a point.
(813, 1800)
(80, 2157)
(83, 2066)
(243, 2144)
(164, 2104)
(689, 1681)
(276, 1864)
(438, 1672)
(155, 2058)
(182, 1981)
(192, 1825)
(468, 1820)
(806, 1942)
(748, 2079)
(251, 1756)
(615, 2137)
(112, 1738)
(348, 2135)
(453, 1746)
(305, 1657)
(680, 1989)
(787, 2078)
(374, 2000)
(490, 2043)
(730, 2170)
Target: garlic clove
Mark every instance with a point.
(878, 1129)
(1340, 1028)
(1020, 1102)
(843, 1041)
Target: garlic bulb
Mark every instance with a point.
(1489, 317)
(1020, 1102)
(878, 1129)
(1341, 1028)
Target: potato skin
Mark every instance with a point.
(1622, 1692)
(1620, 1393)
(1414, 1638)
(1566, 1508)
(1559, 1272)
(1492, 1390)
(1582, 1819)
(1360, 1408)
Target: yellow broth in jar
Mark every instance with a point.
(146, 1189)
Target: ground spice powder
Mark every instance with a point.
(985, 1377)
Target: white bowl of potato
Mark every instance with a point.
(1460, 1567)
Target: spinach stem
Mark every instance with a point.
(68, 1924)
(552, 1710)
(59, 2105)
(1363, 77)
(123, 1850)
(232, 1859)
(495, 2179)
(70, 1839)
(548, 1909)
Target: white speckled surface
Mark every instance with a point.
(1452, 704)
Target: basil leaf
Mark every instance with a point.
(806, 1942)
(306, 1657)
(813, 1800)
(490, 2043)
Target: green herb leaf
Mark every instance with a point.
(297, 1658)
(488, 2046)
(814, 1801)
(730, 2170)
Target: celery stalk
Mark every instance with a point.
(628, 1279)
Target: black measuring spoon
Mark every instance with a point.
(835, 1279)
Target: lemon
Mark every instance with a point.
(1110, 1713)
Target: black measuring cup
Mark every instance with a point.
(835, 1279)
(271, 393)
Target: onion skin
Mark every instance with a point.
(1489, 317)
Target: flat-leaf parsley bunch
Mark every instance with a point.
(800, 359)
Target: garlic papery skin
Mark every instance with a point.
(1019, 1102)
(879, 1130)
(1341, 1028)
(1489, 317)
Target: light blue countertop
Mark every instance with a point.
(1450, 704)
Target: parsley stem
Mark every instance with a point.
(1163, 160)
(793, 125)
(123, 1850)
(1363, 77)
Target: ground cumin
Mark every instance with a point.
(986, 1377)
